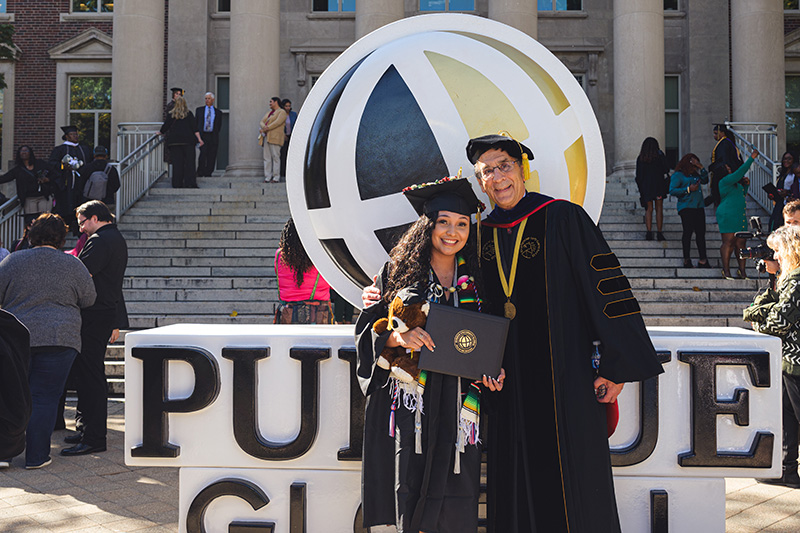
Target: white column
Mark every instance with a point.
(255, 78)
(372, 14)
(638, 77)
(137, 67)
(519, 14)
(757, 63)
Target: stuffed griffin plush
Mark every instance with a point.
(408, 310)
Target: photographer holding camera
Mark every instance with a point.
(777, 312)
(791, 217)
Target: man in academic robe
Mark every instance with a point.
(64, 174)
(546, 266)
(209, 124)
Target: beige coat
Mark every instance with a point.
(274, 126)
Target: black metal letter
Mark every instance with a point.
(240, 488)
(659, 511)
(358, 402)
(245, 425)
(297, 508)
(706, 407)
(641, 448)
(155, 405)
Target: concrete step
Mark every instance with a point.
(202, 295)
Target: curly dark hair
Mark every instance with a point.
(685, 165)
(292, 253)
(48, 230)
(410, 259)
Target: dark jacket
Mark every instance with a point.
(27, 181)
(200, 113)
(106, 257)
(15, 396)
(651, 178)
(180, 131)
(113, 178)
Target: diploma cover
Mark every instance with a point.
(468, 344)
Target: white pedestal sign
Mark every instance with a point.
(265, 423)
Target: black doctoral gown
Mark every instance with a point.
(549, 464)
(399, 486)
(65, 182)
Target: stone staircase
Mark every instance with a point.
(204, 255)
(669, 294)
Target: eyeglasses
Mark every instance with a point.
(488, 172)
(82, 222)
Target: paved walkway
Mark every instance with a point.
(99, 494)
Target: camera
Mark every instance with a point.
(761, 251)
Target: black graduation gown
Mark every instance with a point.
(429, 495)
(15, 396)
(67, 184)
(549, 464)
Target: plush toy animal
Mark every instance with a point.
(408, 310)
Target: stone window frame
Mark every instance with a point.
(7, 68)
(95, 112)
(72, 59)
(793, 110)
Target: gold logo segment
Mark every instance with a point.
(465, 341)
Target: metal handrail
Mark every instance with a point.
(764, 137)
(132, 135)
(138, 171)
(11, 224)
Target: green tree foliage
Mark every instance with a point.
(7, 50)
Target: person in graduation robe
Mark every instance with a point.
(421, 455)
(546, 265)
(68, 193)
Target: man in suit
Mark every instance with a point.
(209, 123)
(105, 256)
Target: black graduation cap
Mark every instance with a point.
(174, 90)
(720, 127)
(69, 129)
(447, 194)
(477, 146)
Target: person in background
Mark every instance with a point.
(34, 188)
(651, 178)
(23, 243)
(63, 173)
(732, 215)
(271, 134)
(685, 186)
(50, 307)
(291, 116)
(777, 312)
(725, 158)
(181, 137)
(209, 124)
(784, 183)
(100, 163)
(304, 294)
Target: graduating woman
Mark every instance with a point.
(421, 463)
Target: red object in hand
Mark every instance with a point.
(612, 417)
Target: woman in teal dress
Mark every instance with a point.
(732, 215)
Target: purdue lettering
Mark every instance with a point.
(245, 426)
(358, 403)
(240, 488)
(706, 407)
(155, 405)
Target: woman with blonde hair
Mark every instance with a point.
(182, 136)
(777, 312)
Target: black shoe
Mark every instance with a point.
(82, 449)
(648, 236)
(74, 438)
(687, 263)
(704, 265)
(790, 481)
(660, 236)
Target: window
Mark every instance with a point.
(672, 119)
(223, 6)
(560, 5)
(791, 5)
(793, 114)
(92, 6)
(334, 5)
(670, 5)
(447, 5)
(579, 78)
(2, 6)
(90, 108)
(223, 103)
